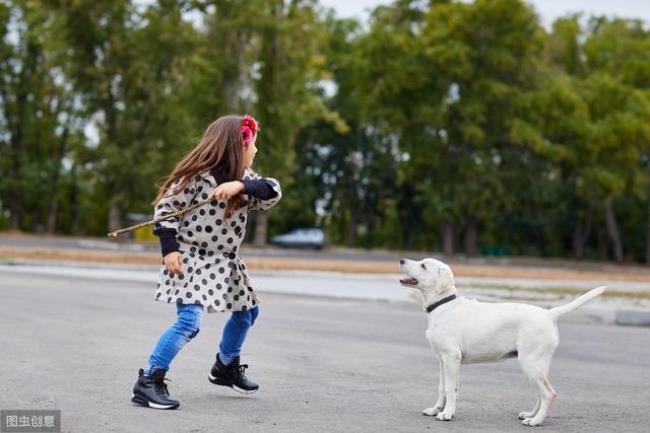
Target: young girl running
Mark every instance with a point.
(202, 270)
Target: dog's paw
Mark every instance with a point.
(531, 422)
(442, 416)
(432, 411)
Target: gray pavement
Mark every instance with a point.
(324, 364)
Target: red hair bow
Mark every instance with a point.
(248, 129)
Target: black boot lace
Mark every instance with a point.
(161, 385)
(242, 369)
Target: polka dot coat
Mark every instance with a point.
(214, 275)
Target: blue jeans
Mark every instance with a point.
(187, 327)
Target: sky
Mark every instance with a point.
(547, 9)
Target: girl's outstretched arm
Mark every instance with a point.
(263, 192)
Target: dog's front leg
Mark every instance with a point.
(440, 404)
(451, 366)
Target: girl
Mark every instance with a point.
(202, 269)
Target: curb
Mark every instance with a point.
(586, 315)
(632, 318)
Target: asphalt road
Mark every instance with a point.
(324, 365)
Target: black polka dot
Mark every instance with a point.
(158, 295)
(230, 240)
(244, 308)
(229, 305)
(199, 228)
(190, 234)
(212, 212)
(218, 222)
(204, 282)
(201, 252)
(204, 244)
(222, 205)
(222, 270)
(213, 276)
(202, 212)
(194, 217)
(208, 229)
(188, 294)
(210, 292)
(216, 302)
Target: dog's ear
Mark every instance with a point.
(445, 278)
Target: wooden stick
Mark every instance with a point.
(116, 233)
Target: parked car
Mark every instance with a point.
(310, 238)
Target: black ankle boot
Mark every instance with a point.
(151, 391)
(232, 376)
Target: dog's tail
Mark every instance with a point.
(576, 303)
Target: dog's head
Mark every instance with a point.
(430, 276)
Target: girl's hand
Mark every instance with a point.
(228, 190)
(174, 262)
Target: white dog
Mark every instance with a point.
(466, 331)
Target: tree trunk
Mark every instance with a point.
(261, 225)
(114, 214)
(74, 202)
(647, 236)
(471, 235)
(447, 233)
(351, 236)
(580, 236)
(613, 231)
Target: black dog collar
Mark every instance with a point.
(433, 306)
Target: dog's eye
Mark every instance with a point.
(423, 266)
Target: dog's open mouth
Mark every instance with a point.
(408, 281)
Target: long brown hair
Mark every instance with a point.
(220, 148)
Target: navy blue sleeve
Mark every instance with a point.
(167, 237)
(259, 188)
